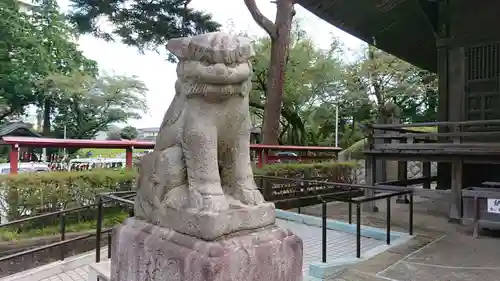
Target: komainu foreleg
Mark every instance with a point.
(237, 172)
(200, 152)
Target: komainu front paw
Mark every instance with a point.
(248, 196)
(208, 202)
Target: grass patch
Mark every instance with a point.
(11, 234)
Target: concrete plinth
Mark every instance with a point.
(142, 251)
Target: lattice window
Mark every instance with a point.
(482, 85)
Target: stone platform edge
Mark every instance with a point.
(57, 267)
(319, 271)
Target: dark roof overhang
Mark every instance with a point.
(403, 28)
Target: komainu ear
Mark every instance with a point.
(179, 46)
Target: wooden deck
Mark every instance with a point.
(471, 141)
(455, 143)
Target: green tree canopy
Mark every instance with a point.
(319, 81)
(146, 24)
(92, 104)
(63, 56)
(310, 73)
(129, 133)
(22, 59)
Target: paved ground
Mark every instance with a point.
(440, 251)
(78, 274)
(340, 244)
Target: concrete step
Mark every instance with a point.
(100, 271)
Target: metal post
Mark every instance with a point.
(109, 245)
(298, 210)
(350, 213)
(388, 230)
(337, 125)
(98, 230)
(358, 230)
(411, 214)
(64, 136)
(62, 231)
(323, 237)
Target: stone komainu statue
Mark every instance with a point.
(206, 128)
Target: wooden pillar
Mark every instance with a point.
(370, 174)
(381, 170)
(402, 176)
(457, 180)
(456, 190)
(444, 169)
(426, 172)
(128, 157)
(370, 170)
(14, 158)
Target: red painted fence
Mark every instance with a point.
(264, 152)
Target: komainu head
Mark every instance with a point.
(213, 65)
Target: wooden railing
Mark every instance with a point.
(451, 137)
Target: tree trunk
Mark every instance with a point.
(47, 109)
(280, 41)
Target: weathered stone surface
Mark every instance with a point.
(200, 167)
(142, 251)
(201, 224)
(199, 214)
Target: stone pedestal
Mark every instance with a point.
(142, 251)
(210, 226)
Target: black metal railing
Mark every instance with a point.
(343, 192)
(101, 199)
(349, 193)
(63, 241)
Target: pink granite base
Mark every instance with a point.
(142, 251)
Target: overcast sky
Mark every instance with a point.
(159, 75)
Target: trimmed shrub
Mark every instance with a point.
(29, 194)
(331, 171)
(26, 195)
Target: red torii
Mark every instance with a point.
(129, 145)
(16, 142)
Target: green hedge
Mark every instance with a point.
(333, 171)
(30, 194)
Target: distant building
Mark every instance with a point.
(26, 6)
(148, 134)
(18, 129)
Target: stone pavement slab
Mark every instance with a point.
(448, 258)
(77, 274)
(340, 244)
